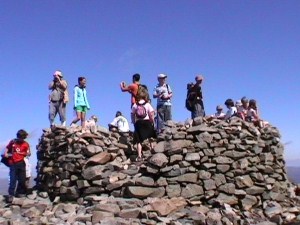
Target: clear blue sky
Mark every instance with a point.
(242, 48)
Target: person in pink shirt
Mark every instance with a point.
(142, 116)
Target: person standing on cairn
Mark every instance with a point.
(58, 98)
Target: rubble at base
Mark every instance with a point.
(210, 173)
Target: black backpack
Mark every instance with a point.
(190, 100)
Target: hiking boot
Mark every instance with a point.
(21, 196)
(9, 199)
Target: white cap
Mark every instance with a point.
(161, 75)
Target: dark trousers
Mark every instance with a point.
(198, 111)
(17, 175)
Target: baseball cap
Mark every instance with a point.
(161, 75)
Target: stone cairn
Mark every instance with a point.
(199, 172)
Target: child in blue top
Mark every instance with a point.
(81, 104)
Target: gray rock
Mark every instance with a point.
(191, 190)
(159, 159)
(192, 157)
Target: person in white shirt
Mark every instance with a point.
(91, 123)
(231, 109)
(219, 114)
(120, 123)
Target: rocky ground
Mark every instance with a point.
(200, 172)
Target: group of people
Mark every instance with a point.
(59, 97)
(245, 109)
(148, 122)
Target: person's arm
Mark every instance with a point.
(155, 93)
(228, 114)
(63, 84)
(8, 149)
(114, 122)
(86, 100)
(150, 112)
(124, 87)
(50, 86)
(170, 92)
(255, 115)
(75, 96)
(133, 114)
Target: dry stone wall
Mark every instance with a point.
(232, 171)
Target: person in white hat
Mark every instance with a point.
(163, 93)
(58, 98)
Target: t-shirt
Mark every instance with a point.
(219, 115)
(19, 150)
(148, 108)
(121, 123)
(165, 90)
(252, 115)
(231, 111)
(133, 89)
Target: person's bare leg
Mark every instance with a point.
(78, 117)
(139, 150)
(83, 120)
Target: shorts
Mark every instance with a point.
(81, 108)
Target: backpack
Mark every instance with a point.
(8, 161)
(189, 101)
(140, 111)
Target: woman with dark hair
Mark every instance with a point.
(16, 150)
(231, 109)
(142, 116)
(81, 104)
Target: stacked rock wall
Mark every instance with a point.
(215, 163)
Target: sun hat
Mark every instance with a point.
(161, 75)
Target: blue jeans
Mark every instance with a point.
(198, 111)
(17, 173)
(164, 114)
